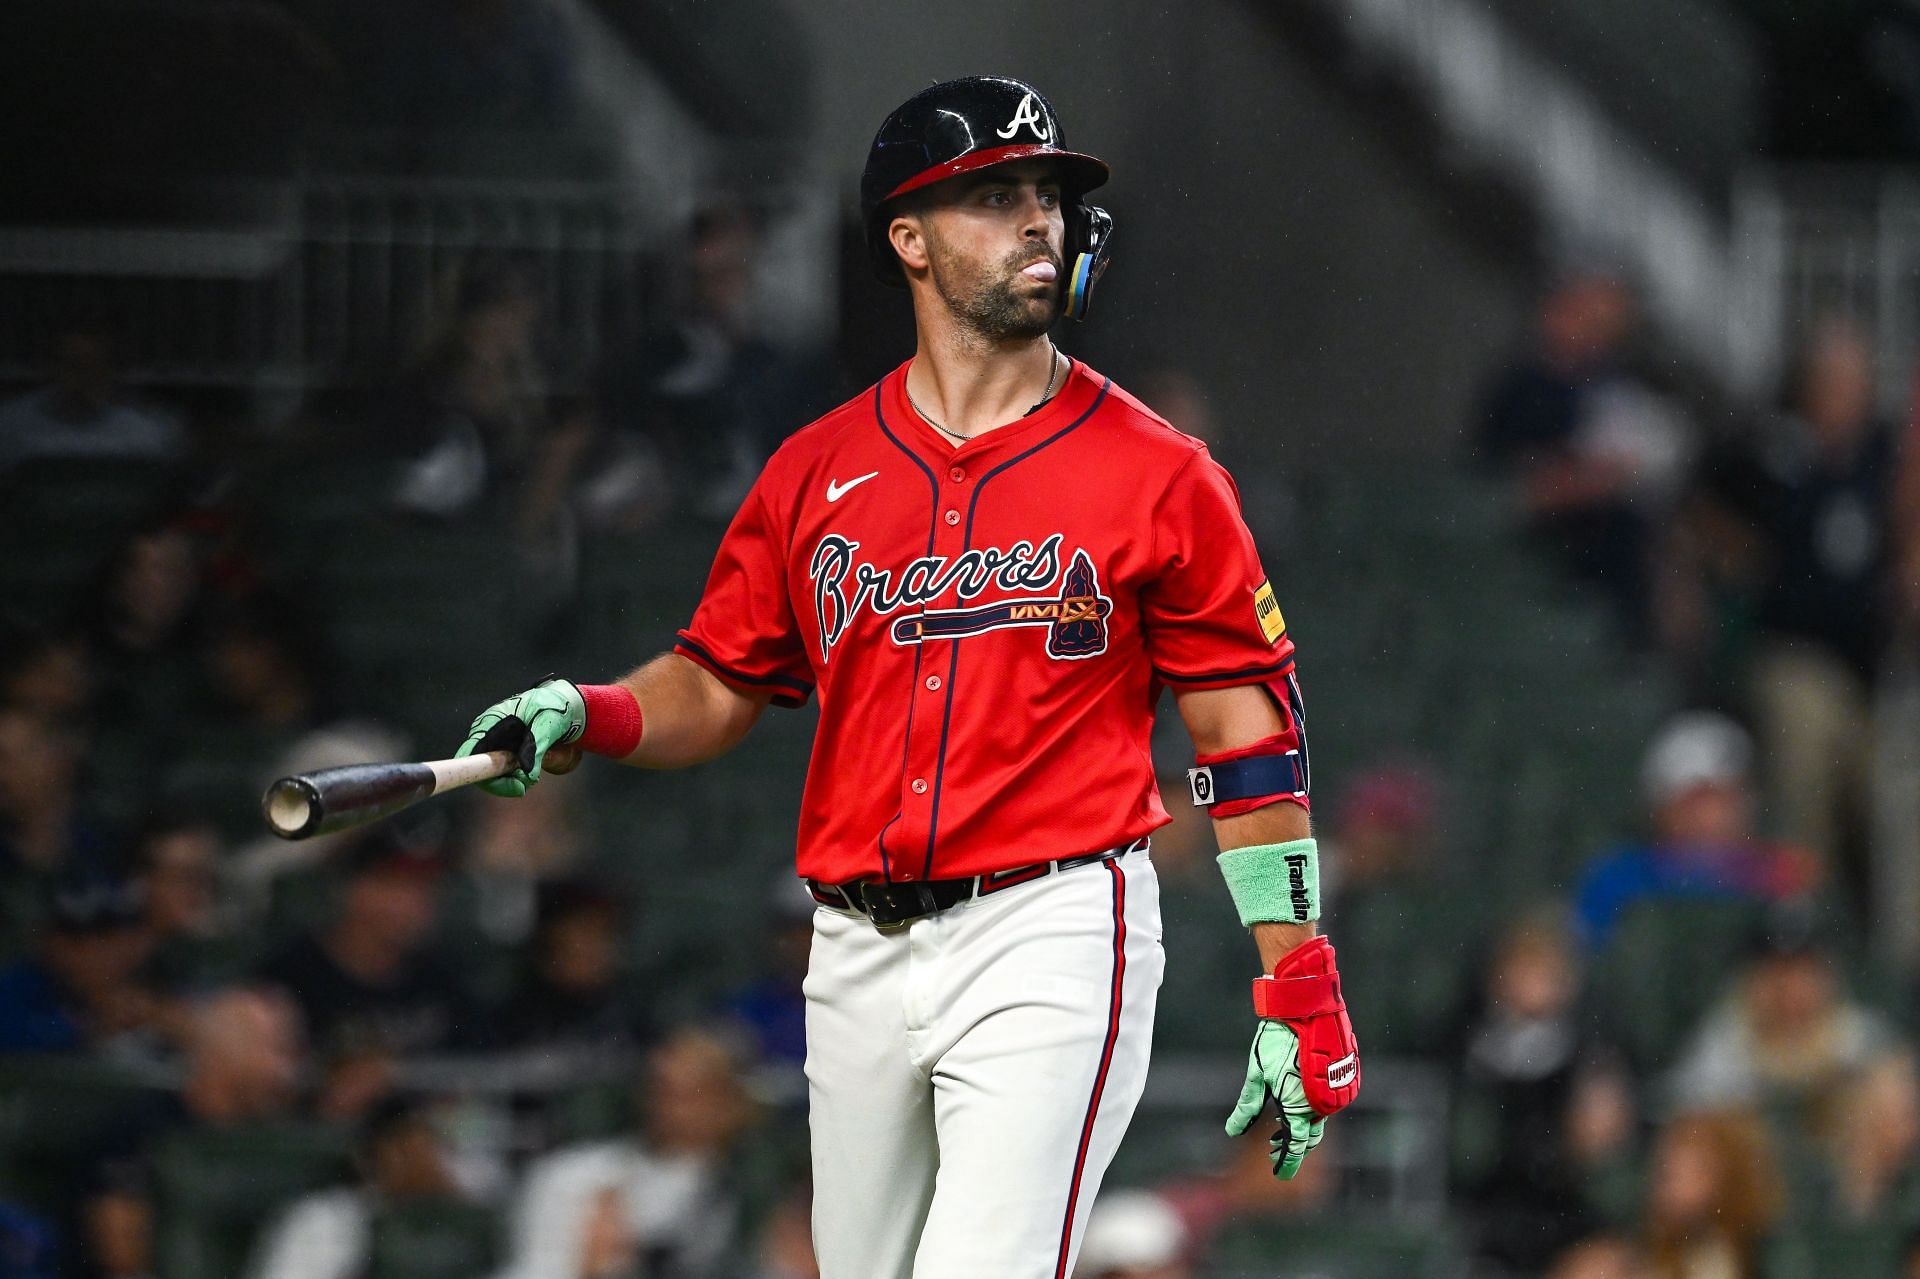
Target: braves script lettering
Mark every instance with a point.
(843, 585)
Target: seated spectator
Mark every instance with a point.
(44, 824)
(1714, 1193)
(329, 1234)
(785, 1249)
(772, 1006)
(139, 626)
(1382, 860)
(1698, 783)
(368, 982)
(707, 394)
(29, 1242)
(1788, 1040)
(572, 1002)
(513, 851)
(656, 1203)
(83, 413)
(1547, 1106)
(1601, 1257)
(1802, 512)
(242, 1054)
(76, 990)
(45, 674)
(177, 859)
(475, 406)
(266, 670)
(1875, 1141)
(1596, 454)
(1132, 1234)
(1243, 1188)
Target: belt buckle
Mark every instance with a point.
(881, 898)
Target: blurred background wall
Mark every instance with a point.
(362, 361)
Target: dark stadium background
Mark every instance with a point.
(362, 361)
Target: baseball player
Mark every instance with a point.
(987, 567)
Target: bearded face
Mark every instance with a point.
(993, 243)
(996, 298)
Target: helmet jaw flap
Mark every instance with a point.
(1089, 241)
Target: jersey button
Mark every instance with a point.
(919, 785)
(953, 517)
(957, 474)
(933, 683)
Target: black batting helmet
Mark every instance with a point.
(969, 124)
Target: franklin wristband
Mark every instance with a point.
(1274, 883)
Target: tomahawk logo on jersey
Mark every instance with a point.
(1071, 614)
(1024, 597)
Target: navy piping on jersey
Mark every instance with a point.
(966, 544)
(800, 688)
(933, 529)
(1168, 677)
(1297, 707)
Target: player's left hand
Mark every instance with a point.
(1304, 1058)
(1273, 1075)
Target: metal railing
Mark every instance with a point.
(1833, 238)
(1509, 108)
(342, 273)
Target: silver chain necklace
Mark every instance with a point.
(1053, 372)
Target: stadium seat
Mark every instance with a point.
(434, 1240)
(1336, 1247)
(54, 1111)
(1833, 1250)
(217, 1187)
(1666, 964)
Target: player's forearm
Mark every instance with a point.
(1274, 824)
(688, 715)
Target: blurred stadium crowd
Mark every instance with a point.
(1615, 722)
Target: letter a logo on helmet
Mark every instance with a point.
(948, 130)
(1028, 114)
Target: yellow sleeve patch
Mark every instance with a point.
(1266, 610)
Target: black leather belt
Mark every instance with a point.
(897, 905)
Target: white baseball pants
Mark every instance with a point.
(971, 1074)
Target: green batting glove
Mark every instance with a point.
(1273, 1075)
(529, 724)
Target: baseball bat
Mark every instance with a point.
(332, 799)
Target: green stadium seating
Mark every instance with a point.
(58, 522)
(1665, 965)
(1336, 1247)
(1832, 1250)
(54, 1111)
(217, 1187)
(434, 1240)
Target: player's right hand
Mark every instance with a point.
(528, 724)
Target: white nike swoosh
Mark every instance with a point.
(836, 491)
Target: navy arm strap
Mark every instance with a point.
(1251, 778)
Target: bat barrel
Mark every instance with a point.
(335, 798)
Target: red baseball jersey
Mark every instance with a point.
(988, 626)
